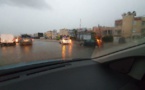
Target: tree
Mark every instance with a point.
(75, 32)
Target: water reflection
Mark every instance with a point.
(7, 50)
(26, 49)
(70, 50)
(66, 51)
(4, 50)
(63, 51)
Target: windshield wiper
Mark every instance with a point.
(29, 69)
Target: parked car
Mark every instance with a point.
(7, 39)
(89, 43)
(25, 39)
(65, 40)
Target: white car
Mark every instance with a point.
(65, 41)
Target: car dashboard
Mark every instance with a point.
(74, 75)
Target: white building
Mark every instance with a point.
(64, 32)
(54, 34)
(51, 34)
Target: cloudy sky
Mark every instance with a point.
(31, 16)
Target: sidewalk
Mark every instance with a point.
(110, 48)
(107, 48)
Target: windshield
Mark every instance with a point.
(68, 29)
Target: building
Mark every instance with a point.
(102, 31)
(64, 32)
(130, 26)
(118, 28)
(38, 35)
(83, 29)
(48, 34)
(97, 30)
(51, 34)
(54, 34)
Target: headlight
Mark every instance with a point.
(98, 40)
(70, 41)
(16, 40)
(63, 40)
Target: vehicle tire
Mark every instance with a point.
(6, 44)
(2, 45)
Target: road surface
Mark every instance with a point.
(42, 50)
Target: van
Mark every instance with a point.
(7, 39)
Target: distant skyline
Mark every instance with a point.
(32, 16)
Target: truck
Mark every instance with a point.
(7, 39)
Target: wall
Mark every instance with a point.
(127, 26)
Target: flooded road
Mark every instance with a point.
(42, 50)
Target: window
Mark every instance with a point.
(134, 30)
(118, 24)
(143, 32)
(110, 32)
(134, 22)
(143, 23)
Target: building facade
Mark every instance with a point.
(38, 35)
(48, 34)
(130, 26)
(102, 31)
(54, 34)
(64, 32)
(51, 34)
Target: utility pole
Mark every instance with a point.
(80, 24)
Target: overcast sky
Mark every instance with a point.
(31, 16)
